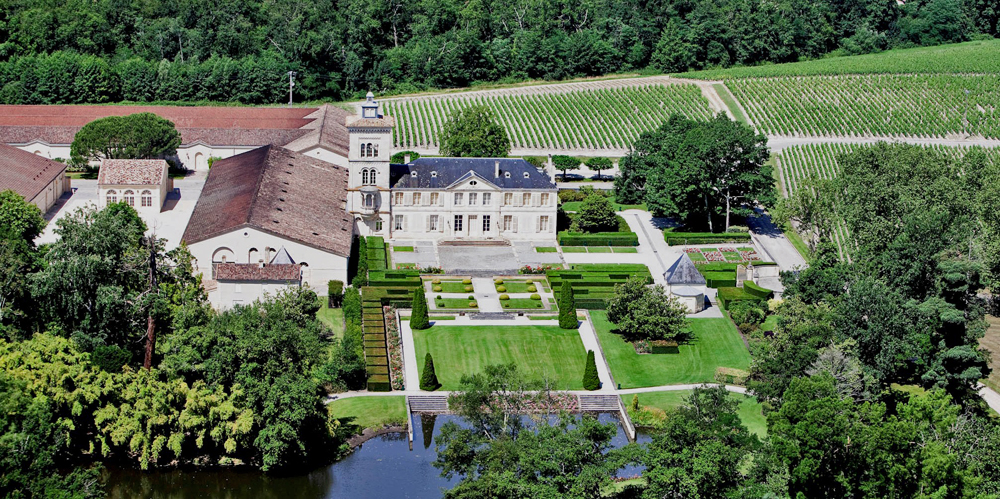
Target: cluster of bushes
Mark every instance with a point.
(686, 238)
(599, 239)
(593, 285)
(728, 296)
(723, 275)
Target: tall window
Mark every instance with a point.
(112, 196)
(432, 223)
(473, 198)
(458, 223)
(375, 154)
(398, 198)
(416, 198)
(398, 224)
(369, 153)
(543, 223)
(545, 199)
(487, 198)
(509, 225)
(434, 199)
(364, 176)
(458, 199)
(369, 200)
(486, 223)
(146, 198)
(508, 198)
(378, 225)
(526, 199)
(130, 198)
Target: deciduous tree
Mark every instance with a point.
(135, 136)
(641, 312)
(473, 132)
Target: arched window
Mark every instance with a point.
(364, 177)
(146, 199)
(253, 255)
(369, 201)
(112, 196)
(130, 198)
(376, 151)
(370, 154)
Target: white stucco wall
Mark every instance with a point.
(52, 192)
(318, 266)
(324, 154)
(191, 156)
(229, 293)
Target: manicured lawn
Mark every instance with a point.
(625, 249)
(370, 412)
(599, 249)
(333, 318)
(715, 343)
(545, 249)
(453, 287)
(750, 410)
(770, 323)
(575, 205)
(574, 249)
(519, 287)
(521, 303)
(537, 351)
(453, 303)
(403, 249)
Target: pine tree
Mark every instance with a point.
(429, 380)
(591, 381)
(418, 315)
(567, 307)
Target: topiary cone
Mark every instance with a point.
(418, 315)
(567, 307)
(429, 380)
(591, 381)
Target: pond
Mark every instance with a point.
(382, 467)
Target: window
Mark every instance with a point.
(508, 199)
(237, 288)
(378, 225)
(458, 223)
(432, 223)
(506, 174)
(434, 174)
(398, 224)
(543, 223)
(545, 199)
(509, 223)
(473, 183)
(398, 199)
(147, 199)
(473, 199)
(364, 176)
(375, 154)
(130, 198)
(369, 152)
(526, 175)
(368, 176)
(486, 223)
(112, 196)
(434, 198)
(416, 198)
(526, 199)
(487, 198)
(369, 201)
(458, 199)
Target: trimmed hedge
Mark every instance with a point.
(599, 239)
(682, 238)
(752, 289)
(610, 267)
(729, 295)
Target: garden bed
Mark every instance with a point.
(521, 304)
(455, 303)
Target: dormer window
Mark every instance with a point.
(473, 183)
(506, 174)
(413, 174)
(526, 175)
(434, 174)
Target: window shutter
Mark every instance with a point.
(515, 223)
(428, 223)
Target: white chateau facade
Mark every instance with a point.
(442, 198)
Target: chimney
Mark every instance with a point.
(496, 169)
(406, 158)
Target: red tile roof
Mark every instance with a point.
(132, 172)
(25, 173)
(278, 191)
(257, 272)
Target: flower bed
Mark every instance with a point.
(395, 343)
(541, 269)
(726, 254)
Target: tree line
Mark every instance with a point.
(240, 51)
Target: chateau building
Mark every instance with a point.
(38, 180)
(442, 198)
(140, 183)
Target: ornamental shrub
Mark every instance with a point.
(466, 281)
(335, 293)
(591, 381)
(418, 317)
(436, 281)
(501, 289)
(532, 288)
(535, 297)
(468, 289)
(473, 304)
(504, 297)
(567, 307)
(498, 282)
(429, 379)
(471, 297)
(437, 289)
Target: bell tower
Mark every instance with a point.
(369, 150)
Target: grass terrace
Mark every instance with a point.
(714, 343)
(573, 206)
(369, 412)
(512, 286)
(537, 350)
(332, 318)
(750, 410)
(451, 287)
(593, 284)
(521, 304)
(456, 303)
(403, 249)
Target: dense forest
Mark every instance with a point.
(241, 50)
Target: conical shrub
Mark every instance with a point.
(591, 381)
(418, 314)
(429, 379)
(567, 307)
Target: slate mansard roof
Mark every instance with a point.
(684, 272)
(439, 173)
(25, 173)
(278, 191)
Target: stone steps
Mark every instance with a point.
(428, 403)
(475, 243)
(598, 403)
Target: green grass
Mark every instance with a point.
(332, 318)
(574, 249)
(625, 249)
(403, 249)
(457, 303)
(727, 98)
(521, 303)
(770, 324)
(370, 412)
(575, 205)
(715, 343)
(537, 351)
(453, 287)
(543, 317)
(599, 249)
(750, 410)
(545, 249)
(440, 318)
(519, 287)
(969, 57)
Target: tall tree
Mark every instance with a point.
(567, 307)
(472, 132)
(135, 136)
(641, 312)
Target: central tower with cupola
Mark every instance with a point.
(368, 159)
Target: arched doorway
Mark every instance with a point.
(200, 162)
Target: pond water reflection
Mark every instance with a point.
(382, 467)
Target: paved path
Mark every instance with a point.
(991, 397)
(773, 241)
(486, 295)
(779, 142)
(411, 377)
(590, 342)
(650, 235)
(624, 391)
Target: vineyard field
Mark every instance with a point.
(873, 106)
(979, 57)
(598, 116)
(819, 161)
